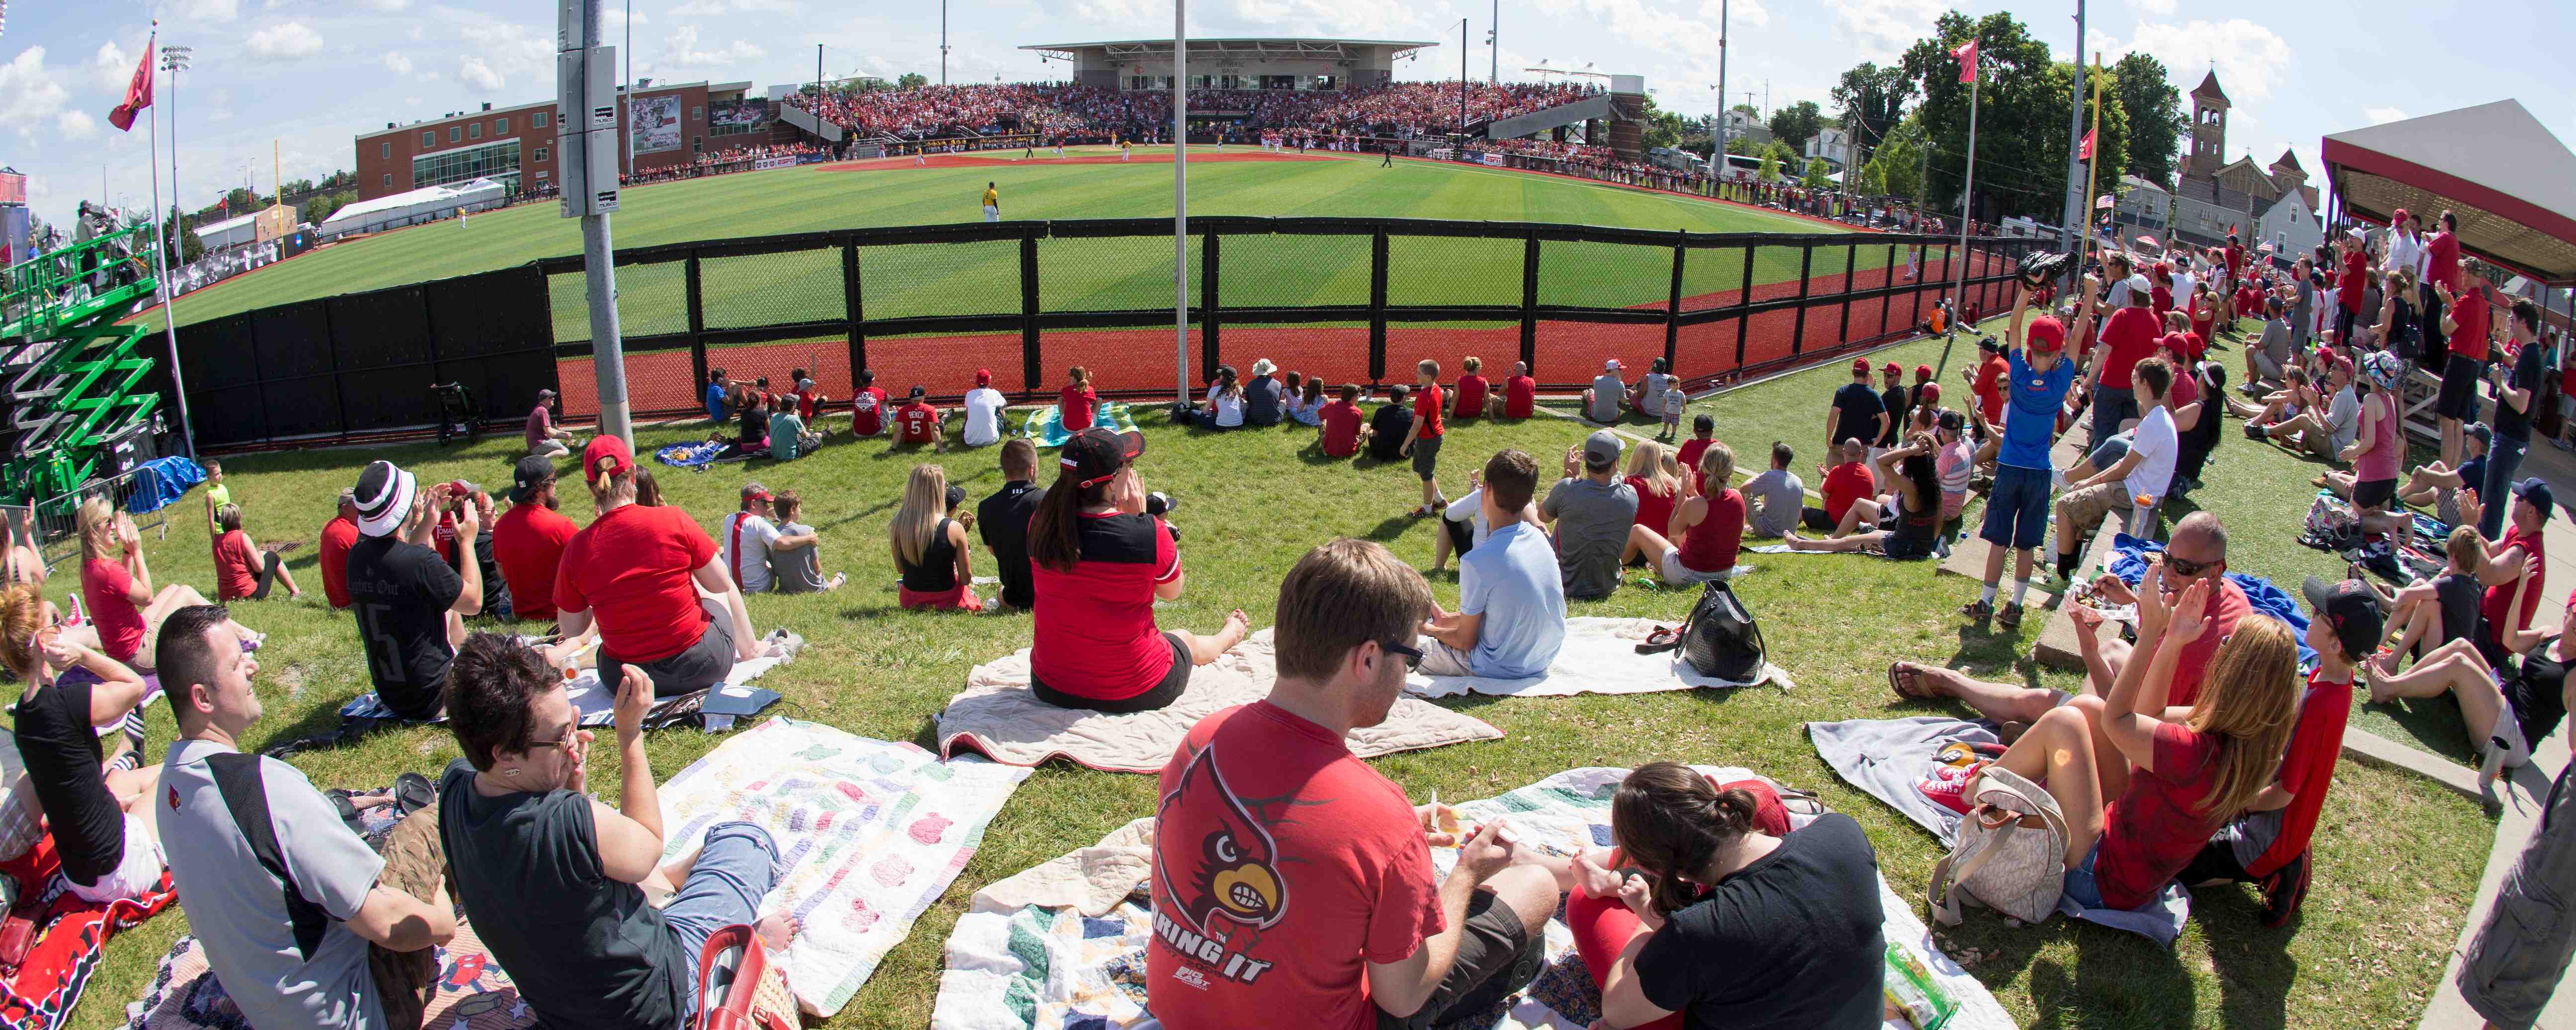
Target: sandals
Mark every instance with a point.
(1896, 677)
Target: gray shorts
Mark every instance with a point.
(1426, 456)
(697, 667)
(1496, 956)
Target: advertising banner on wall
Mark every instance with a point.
(655, 122)
(729, 116)
(273, 222)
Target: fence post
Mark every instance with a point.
(697, 324)
(339, 388)
(1743, 299)
(1851, 262)
(1208, 349)
(1915, 317)
(1030, 372)
(1529, 301)
(1887, 299)
(1798, 332)
(1673, 309)
(851, 311)
(1377, 307)
(429, 333)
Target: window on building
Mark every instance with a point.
(541, 175)
(698, 114)
(385, 149)
(456, 134)
(543, 153)
(539, 119)
(389, 179)
(696, 144)
(429, 137)
(501, 127)
(474, 131)
(498, 161)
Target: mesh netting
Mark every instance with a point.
(772, 289)
(913, 280)
(1441, 270)
(1339, 354)
(1118, 273)
(1281, 271)
(1571, 353)
(657, 381)
(1121, 361)
(1603, 275)
(1498, 344)
(1712, 277)
(945, 363)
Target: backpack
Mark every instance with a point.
(2010, 855)
(1721, 639)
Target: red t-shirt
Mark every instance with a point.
(1426, 406)
(2442, 259)
(2152, 831)
(2131, 337)
(2308, 769)
(1095, 635)
(1844, 483)
(1520, 395)
(867, 411)
(1689, 457)
(2348, 286)
(2235, 262)
(236, 566)
(1075, 402)
(1655, 513)
(916, 422)
(1341, 428)
(2160, 300)
(338, 536)
(1283, 866)
(2500, 597)
(632, 570)
(2184, 391)
(804, 406)
(2192, 665)
(104, 585)
(528, 543)
(1989, 387)
(2470, 314)
(1712, 545)
(1471, 397)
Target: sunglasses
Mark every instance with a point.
(1412, 658)
(2187, 567)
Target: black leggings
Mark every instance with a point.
(268, 566)
(1160, 695)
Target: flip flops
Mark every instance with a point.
(1896, 675)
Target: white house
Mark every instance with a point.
(1833, 144)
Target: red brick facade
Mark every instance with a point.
(385, 157)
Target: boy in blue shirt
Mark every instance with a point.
(2017, 507)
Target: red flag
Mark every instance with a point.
(1967, 58)
(2087, 152)
(138, 93)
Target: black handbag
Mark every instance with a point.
(1721, 639)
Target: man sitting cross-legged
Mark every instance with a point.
(1592, 510)
(556, 882)
(2451, 490)
(2197, 551)
(651, 582)
(303, 923)
(1293, 881)
(2138, 476)
(1510, 620)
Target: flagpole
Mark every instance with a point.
(2090, 164)
(1968, 191)
(161, 256)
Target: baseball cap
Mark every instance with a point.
(983, 377)
(606, 454)
(1860, 366)
(2350, 609)
(1922, 373)
(533, 471)
(1989, 342)
(2045, 335)
(956, 495)
(384, 495)
(2399, 216)
(546, 393)
(1893, 367)
(753, 491)
(918, 390)
(1095, 454)
(2481, 432)
(1601, 448)
(2536, 490)
(1611, 365)
(2139, 288)
(1931, 394)
(1951, 421)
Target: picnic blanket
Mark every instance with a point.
(869, 834)
(1600, 657)
(1062, 945)
(692, 455)
(594, 704)
(1045, 427)
(997, 716)
(71, 939)
(474, 992)
(1887, 758)
(2129, 562)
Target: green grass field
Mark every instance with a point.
(1075, 274)
(2398, 858)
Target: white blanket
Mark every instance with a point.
(1600, 657)
(591, 705)
(998, 716)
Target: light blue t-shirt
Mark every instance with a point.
(2032, 421)
(1511, 579)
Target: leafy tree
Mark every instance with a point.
(912, 80)
(239, 201)
(342, 179)
(1775, 157)
(2021, 122)
(321, 208)
(2155, 116)
(1869, 101)
(1797, 123)
(297, 186)
(1819, 174)
(1739, 145)
(1896, 167)
(1748, 109)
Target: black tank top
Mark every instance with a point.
(938, 568)
(2541, 701)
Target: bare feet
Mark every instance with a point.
(777, 930)
(2370, 675)
(1237, 626)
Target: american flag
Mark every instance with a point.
(2103, 204)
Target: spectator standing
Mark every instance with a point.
(216, 490)
(1003, 520)
(652, 583)
(1899, 404)
(1592, 511)
(984, 407)
(2515, 394)
(2017, 506)
(1075, 402)
(2464, 322)
(867, 406)
(338, 536)
(931, 552)
(544, 436)
(1423, 435)
(1520, 392)
(798, 569)
(411, 605)
(1261, 405)
(243, 572)
(528, 540)
(2131, 336)
(1472, 389)
(1857, 411)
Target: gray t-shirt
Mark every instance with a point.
(2343, 417)
(2276, 341)
(1592, 520)
(1652, 398)
(2302, 312)
(1608, 393)
(237, 908)
(795, 570)
(1774, 498)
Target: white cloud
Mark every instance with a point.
(479, 75)
(715, 8)
(29, 93)
(685, 53)
(396, 63)
(2250, 58)
(1750, 12)
(2383, 115)
(387, 6)
(285, 40)
(76, 124)
(213, 10)
(1880, 30)
(112, 68)
(2159, 8)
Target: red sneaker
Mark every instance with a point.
(1947, 785)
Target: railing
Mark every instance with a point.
(57, 530)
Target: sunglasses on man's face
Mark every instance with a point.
(1412, 658)
(2188, 568)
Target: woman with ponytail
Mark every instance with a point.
(98, 809)
(1712, 914)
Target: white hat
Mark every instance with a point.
(1263, 367)
(1611, 365)
(384, 496)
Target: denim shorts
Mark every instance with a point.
(2080, 887)
(2016, 508)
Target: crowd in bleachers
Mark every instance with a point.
(716, 162)
(1404, 108)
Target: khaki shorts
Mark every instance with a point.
(2084, 509)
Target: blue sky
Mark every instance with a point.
(310, 74)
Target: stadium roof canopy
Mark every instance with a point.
(1266, 47)
(2511, 183)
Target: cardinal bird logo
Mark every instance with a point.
(1229, 870)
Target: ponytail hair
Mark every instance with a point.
(1055, 532)
(1670, 821)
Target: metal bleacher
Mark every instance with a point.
(71, 371)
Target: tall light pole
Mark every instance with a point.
(2077, 206)
(1462, 82)
(943, 40)
(169, 323)
(1717, 142)
(1180, 188)
(174, 59)
(1494, 46)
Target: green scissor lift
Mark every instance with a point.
(68, 369)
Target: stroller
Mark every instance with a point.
(456, 415)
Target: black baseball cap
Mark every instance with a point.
(956, 495)
(1095, 454)
(1989, 342)
(533, 472)
(2536, 490)
(2351, 610)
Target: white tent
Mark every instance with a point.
(231, 232)
(413, 207)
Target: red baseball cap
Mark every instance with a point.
(2400, 216)
(1931, 393)
(1922, 372)
(606, 454)
(1860, 365)
(2175, 343)
(1894, 367)
(983, 377)
(2197, 346)
(2045, 335)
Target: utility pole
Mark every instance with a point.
(2077, 206)
(1180, 190)
(1717, 139)
(1494, 46)
(583, 195)
(943, 41)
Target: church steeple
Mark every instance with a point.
(2208, 129)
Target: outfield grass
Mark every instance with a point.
(1076, 275)
(2398, 858)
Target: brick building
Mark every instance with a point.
(516, 146)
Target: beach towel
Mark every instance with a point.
(2128, 561)
(692, 455)
(71, 939)
(474, 993)
(1062, 945)
(1886, 758)
(1045, 427)
(1600, 657)
(997, 716)
(594, 705)
(869, 834)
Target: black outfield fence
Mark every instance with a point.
(1344, 299)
